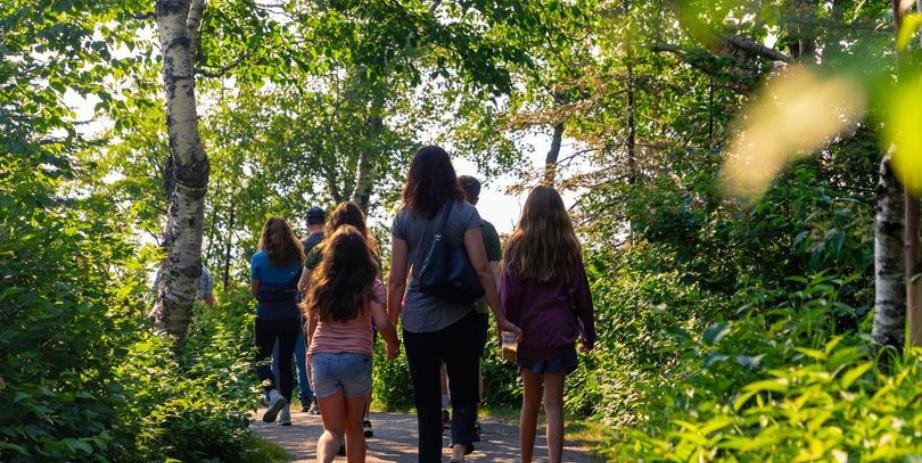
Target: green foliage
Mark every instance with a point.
(59, 344)
(781, 385)
(82, 376)
(393, 387)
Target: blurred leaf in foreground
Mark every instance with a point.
(797, 112)
(904, 133)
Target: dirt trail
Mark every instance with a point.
(395, 440)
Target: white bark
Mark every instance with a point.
(364, 180)
(183, 233)
(366, 167)
(889, 265)
(193, 24)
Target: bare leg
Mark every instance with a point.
(355, 436)
(528, 421)
(553, 410)
(443, 380)
(333, 413)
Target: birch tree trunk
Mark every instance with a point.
(183, 233)
(365, 168)
(889, 265)
(550, 161)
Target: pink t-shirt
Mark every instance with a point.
(354, 336)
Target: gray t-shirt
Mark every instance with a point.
(424, 313)
(205, 284)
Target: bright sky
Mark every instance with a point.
(495, 206)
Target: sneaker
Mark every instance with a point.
(306, 405)
(476, 436)
(276, 403)
(285, 416)
(366, 426)
(315, 409)
(446, 420)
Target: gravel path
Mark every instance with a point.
(395, 440)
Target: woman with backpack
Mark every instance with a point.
(343, 299)
(274, 273)
(545, 291)
(438, 235)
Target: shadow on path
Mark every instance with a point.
(396, 436)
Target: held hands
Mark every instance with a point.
(393, 350)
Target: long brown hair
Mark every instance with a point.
(280, 244)
(431, 183)
(543, 246)
(347, 213)
(343, 280)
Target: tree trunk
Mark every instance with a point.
(631, 129)
(365, 168)
(183, 233)
(228, 243)
(193, 22)
(889, 265)
(911, 240)
(550, 161)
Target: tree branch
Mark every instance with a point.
(193, 24)
(223, 69)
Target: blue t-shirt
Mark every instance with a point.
(278, 288)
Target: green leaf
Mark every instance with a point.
(852, 375)
(714, 333)
(911, 23)
(78, 445)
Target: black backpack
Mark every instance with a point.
(447, 272)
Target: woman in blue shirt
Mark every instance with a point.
(274, 272)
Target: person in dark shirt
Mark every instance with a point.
(544, 290)
(471, 187)
(315, 219)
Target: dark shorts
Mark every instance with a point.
(563, 363)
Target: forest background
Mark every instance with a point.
(726, 162)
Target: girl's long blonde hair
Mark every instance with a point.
(280, 243)
(543, 246)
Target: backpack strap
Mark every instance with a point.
(438, 233)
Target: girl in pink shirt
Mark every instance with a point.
(341, 304)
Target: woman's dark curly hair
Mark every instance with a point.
(343, 282)
(347, 213)
(431, 183)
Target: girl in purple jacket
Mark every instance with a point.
(545, 292)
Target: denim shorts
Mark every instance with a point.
(332, 372)
(565, 362)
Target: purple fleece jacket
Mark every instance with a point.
(551, 314)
